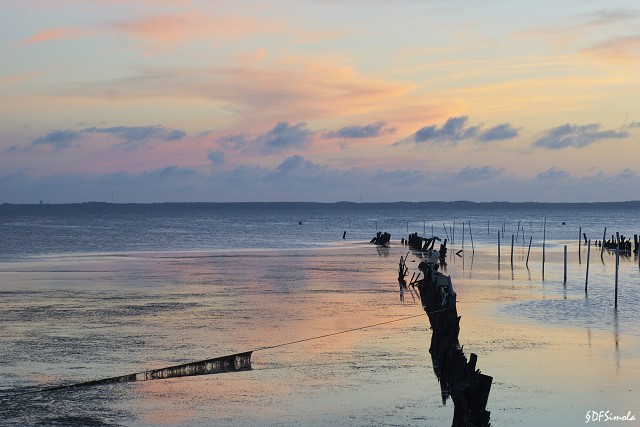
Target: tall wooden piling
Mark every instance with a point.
(544, 242)
(445, 230)
(615, 304)
(473, 250)
(512, 236)
(565, 264)
(580, 246)
(498, 249)
(487, 227)
(604, 237)
(463, 235)
(453, 234)
(586, 278)
(518, 232)
(529, 251)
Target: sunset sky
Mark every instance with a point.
(319, 100)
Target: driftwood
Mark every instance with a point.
(381, 239)
(624, 245)
(468, 388)
(423, 244)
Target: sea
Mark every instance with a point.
(94, 290)
(29, 231)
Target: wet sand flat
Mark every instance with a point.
(80, 317)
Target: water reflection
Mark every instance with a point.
(616, 336)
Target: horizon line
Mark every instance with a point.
(460, 202)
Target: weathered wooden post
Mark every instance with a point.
(604, 237)
(424, 227)
(544, 241)
(529, 251)
(473, 250)
(445, 230)
(580, 246)
(565, 264)
(512, 251)
(615, 304)
(463, 235)
(498, 249)
(518, 232)
(586, 279)
(453, 234)
(487, 227)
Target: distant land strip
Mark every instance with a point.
(460, 204)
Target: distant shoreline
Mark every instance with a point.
(451, 204)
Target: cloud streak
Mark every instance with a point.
(281, 138)
(371, 130)
(133, 137)
(571, 135)
(455, 130)
(130, 137)
(54, 34)
(58, 139)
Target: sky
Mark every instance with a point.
(319, 100)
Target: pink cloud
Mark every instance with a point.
(167, 30)
(53, 34)
(188, 26)
(621, 49)
(17, 78)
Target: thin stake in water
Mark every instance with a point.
(586, 279)
(565, 264)
(580, 246)
(617, 264)
(544, 241)
(512, 250)
(498, 250)
(463, 235)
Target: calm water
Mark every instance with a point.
(98, 290)
(33, 230)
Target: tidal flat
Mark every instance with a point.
(555, 353)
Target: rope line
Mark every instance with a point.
(348, 330)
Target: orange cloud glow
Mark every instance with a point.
(189, 26)
(623, 49)
(53, 34)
